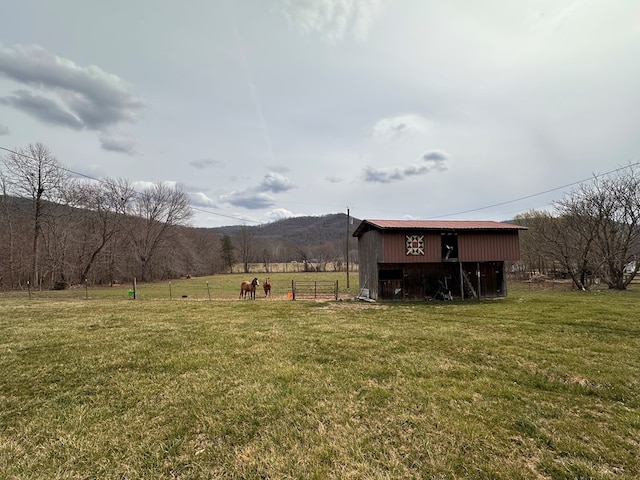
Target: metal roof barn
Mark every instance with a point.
(425, 259)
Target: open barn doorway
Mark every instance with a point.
(446, 280)
(449, 247)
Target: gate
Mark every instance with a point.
(314, 289)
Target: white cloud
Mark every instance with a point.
(141, 185)
(280, 213)
(394, 128)
(200, 199)
(334, 20)
(4, 130)
(274, 182)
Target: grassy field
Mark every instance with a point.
(542, 384)
(218, 287)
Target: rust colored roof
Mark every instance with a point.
(441, 225)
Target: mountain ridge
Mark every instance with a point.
(306, 230)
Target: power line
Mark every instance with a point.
(59, 166)
(240, 219)
(223, 215)
(105, 182)
(538, 194)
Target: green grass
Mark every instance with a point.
(217, 287)
(542, 384)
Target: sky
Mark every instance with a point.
(267, 109)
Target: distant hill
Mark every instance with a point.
(310, 230)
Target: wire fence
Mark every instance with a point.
(221, 287)
(227, 287)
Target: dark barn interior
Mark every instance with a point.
(440, 281)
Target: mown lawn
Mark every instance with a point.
(538, 385)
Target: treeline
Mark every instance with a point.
(591, 236)
(57, 230)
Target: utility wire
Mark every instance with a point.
(105, 182)
(438, 216)
(538, 194)
(240, 219)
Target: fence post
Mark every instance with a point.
(208, 291)
(336, 290)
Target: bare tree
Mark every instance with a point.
(156, 212)
(201, 255)
(558, 245)
(303, 252)
(7, 237)
(602, 221)
(105, 204)
(226, 252)
(617, 203)
(246, 246)
(266, 260)
(595, 230)
(34, 173)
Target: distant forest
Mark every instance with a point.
(103, 247)
(318, 242)
(58, 230)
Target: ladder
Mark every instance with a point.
(467, 282)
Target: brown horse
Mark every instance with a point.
(250, 288)
(267, 287)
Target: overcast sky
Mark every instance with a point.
(264, 109)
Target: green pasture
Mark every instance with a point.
(540, 385)
(217, 287)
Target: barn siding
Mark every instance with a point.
(370, 247)
(488, 246)
(472, 247)
(395, 248)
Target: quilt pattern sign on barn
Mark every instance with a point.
(415, 244)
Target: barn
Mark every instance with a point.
(426, 259)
